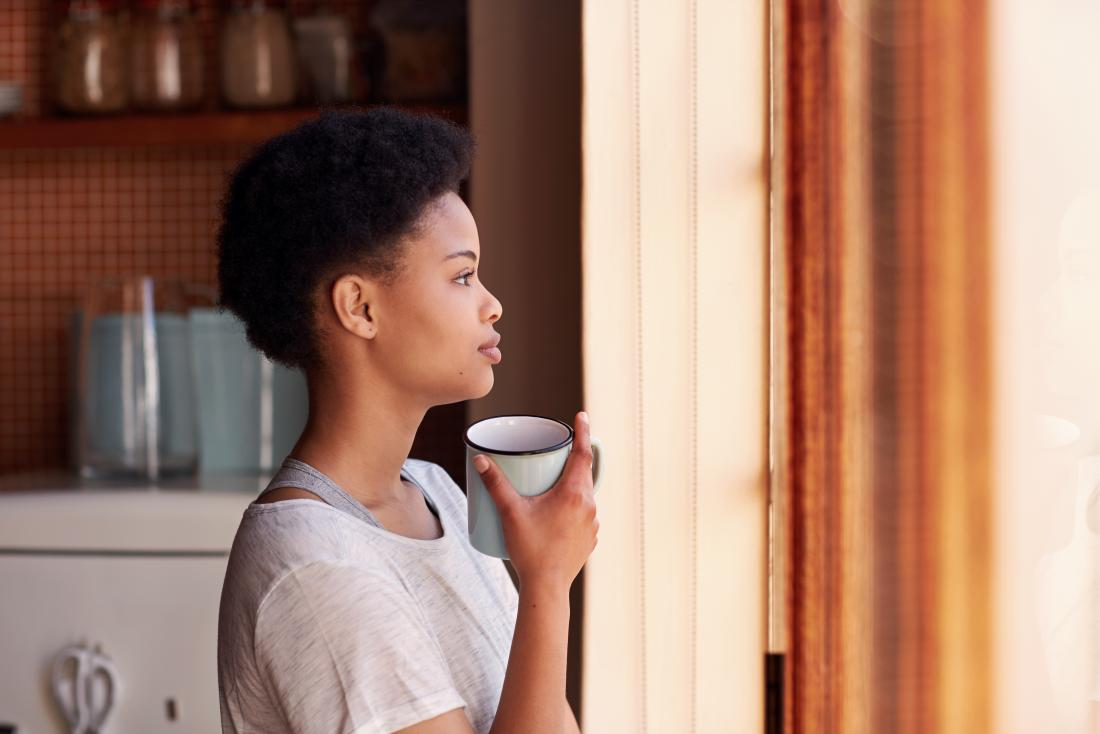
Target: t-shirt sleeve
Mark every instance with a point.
(344, 649)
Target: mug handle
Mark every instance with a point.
(597, 462)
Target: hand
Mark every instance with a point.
(549, 536)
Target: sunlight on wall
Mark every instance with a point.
(1047, 218)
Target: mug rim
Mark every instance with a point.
(505, 452)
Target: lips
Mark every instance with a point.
(489, 349)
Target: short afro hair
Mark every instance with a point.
(336, 194)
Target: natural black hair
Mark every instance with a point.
(336, 194)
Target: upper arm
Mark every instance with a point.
(454, 721)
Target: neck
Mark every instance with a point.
(359, 434)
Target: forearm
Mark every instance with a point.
(533, 695)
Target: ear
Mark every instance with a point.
(354, 300)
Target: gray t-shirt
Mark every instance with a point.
(330, 623)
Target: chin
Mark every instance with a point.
(486, 386)
(476, 383)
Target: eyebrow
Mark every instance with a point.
(465, 253)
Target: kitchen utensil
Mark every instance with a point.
(84, 684)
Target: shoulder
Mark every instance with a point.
(287, 493)
(333, 577)
(425, 468)
(342, 594)
(297, 522)
(279, 537)
(435, 479)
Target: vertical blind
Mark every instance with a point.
(675, 345)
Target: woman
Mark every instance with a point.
(353, 600)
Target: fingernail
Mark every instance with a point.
(481, 463)
(584, 416)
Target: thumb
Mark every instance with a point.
(498, 486)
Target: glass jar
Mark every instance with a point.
(423, 49)
(165, 56)
(324, 46)
(132, 381)
(257, 55)
(89, 58)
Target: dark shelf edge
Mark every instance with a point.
(228, 128)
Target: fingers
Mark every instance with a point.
(580, 457)
(495, 482)
(581, 430)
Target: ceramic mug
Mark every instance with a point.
(531, 450)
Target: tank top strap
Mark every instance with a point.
(300, 474)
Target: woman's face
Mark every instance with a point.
(425, 329)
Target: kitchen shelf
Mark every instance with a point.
(147, 130)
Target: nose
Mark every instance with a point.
(495, 308)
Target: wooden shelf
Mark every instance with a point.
(200, 128)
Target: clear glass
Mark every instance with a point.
(134, 412)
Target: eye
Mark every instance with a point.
(467, 274)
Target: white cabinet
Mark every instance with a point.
(136, 572)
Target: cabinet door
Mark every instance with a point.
(154, 617)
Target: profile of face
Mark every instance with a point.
(422, 334)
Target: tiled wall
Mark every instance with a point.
(22, 29)
(70, 216)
